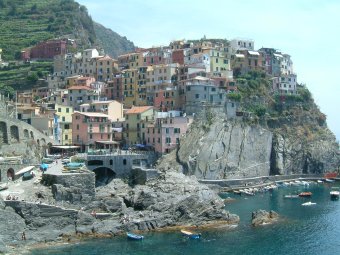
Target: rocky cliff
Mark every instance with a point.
(291, 143)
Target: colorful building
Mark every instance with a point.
(135, 118)
(90, 128)
(63, 124)
(165, 133)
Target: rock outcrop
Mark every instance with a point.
(221, 148)
(262, 217)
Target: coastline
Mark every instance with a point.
(80, 238)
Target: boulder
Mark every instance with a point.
(262, 217)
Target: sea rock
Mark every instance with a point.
(11, 224)
(262, 217)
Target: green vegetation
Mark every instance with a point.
(24, 76)
(26, 23)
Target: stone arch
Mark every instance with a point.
(104, 175)
(3, 132)
(26, 134)
(10, 174)
(14, 133)
(95, 162)
(32, 135)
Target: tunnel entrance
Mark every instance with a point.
(104, 175)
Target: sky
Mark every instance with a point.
(308, 30)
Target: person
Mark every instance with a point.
(23, 236)
(94, 214)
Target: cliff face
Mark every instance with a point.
(220, 148)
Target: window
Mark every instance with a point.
(216, 60)
(90, 136)
(158, 140)
(124, 161)
(168, 140)
(225, 61)
(177, 140)
(78, 138)
(67, 126)
(63, 118)
(167, 130)
(197, 96)
(66, 137)
(67, 110)
(59, 109)
(77, 126)
(177, 130)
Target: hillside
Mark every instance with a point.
(24, 23)
(112, 43)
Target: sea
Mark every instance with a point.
(301, 230)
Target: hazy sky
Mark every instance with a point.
(308, 30)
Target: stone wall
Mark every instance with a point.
(120, 164)
(74, 188)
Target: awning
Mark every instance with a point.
(108, 142)
(24, 170)
(117, 129)
(239, 55)
(65, 147)
(253, 53)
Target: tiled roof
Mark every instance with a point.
(79, 87)
(138, 109)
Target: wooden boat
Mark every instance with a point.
(132, 236)
(308, 203)
(305, 194)
(190, 234)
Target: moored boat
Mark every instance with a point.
(132, 236)
(308, 203)
(291, 196)
(305, 194)
(335, 193)
(191, 235)
(329, 180)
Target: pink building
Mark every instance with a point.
(166, 99)
(91, 128)
(164, 135)
(114, 89)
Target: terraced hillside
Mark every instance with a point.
(24, 23)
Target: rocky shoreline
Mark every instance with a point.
(167, 202)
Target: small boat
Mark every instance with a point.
(3, 187)
(335, 193)
(237, 192)
(132, 236)
(308, 203)
(329, 180)
(291, 196)
(319, 181)
(190, 234)
(305, 194)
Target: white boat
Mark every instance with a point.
(291, 196)
(329, 180)
(319, 181)
(335, 193)
(308, 203)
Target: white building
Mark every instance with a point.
(241, 44)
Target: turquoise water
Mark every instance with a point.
(302, 230)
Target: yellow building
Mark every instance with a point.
(134, 121)
(64, 114)
(219, 62)
(106, 67)
(130, 88)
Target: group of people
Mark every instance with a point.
(9, 197)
